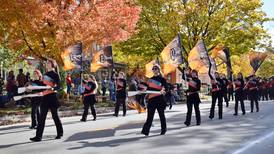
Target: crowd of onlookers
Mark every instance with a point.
(11, 85)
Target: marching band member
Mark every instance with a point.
(216, 94)
(36, 101)
(89, 97)
(230, 90)
(121, 94)
(50, 101)
(156, 101)
(271, 88)
(193, 99)
(252, 87)
(224, 89)
(239, 93)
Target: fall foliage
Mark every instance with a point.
(47, 27)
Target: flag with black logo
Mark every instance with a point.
(72, 57)
(172, 55)
(102, 58)
(199, 60)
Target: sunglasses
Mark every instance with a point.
(155, 68)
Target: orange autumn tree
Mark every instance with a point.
(44, 28)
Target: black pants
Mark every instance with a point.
(104, 91)
(253, 96)
(239, 98)
(271, 93)
(141, 99)
(152, 106)
(252, 104)
(193, 100)
(264, 94)
(35, 111)
(120, 101)
(230, 96)
(55, 117)
(89, 101)
(215, 96)
(225, 98)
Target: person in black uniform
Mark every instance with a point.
(252, 87)
(224, 89)
(239, 93)
(50, 101)
(36, 101)
(216, 94)
(230, 90)
(156, 101)
(169, 94)
(271, 88)
(121, 94)
(89, 97)
(194, 85)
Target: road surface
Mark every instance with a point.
(242, 134)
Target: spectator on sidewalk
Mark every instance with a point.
(104, 87)
(1, 91)
(11, 86)
(21, 80)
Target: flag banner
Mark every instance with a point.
(72, 57)
(256, 59)
(102, 58)
(218, 52)
(199, 60)
(149, 67)
(172, 55)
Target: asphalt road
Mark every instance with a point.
(252, 133)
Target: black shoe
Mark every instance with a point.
(115, 115)
(94, 119)
(32, 127)
(220, 118)
(83, 120)
(235, 114)
(146, 134)
(187, 124)
(211, 117)
(35, 139)
(257, 110)
(124, 115)
(198, 124)
(244, 113)
(58, 136)
(163, 132)
(251, 111)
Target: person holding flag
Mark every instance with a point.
(121, 94)
(36, 101)
(89, 97)
(252, 87)
(239, 93)
(50, 101)
(156, 101)
(193, 99)
(216, 93)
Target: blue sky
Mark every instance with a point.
(268, 8)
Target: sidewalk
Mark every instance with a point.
(11, 119)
